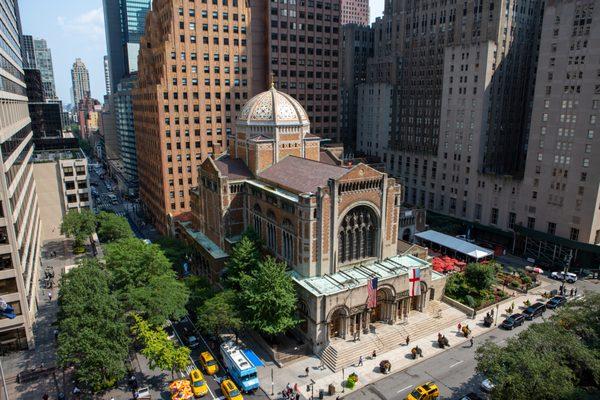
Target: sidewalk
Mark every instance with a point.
(400, 358)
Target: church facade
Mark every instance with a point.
(336, 226)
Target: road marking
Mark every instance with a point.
(402, 390)
(456, 363)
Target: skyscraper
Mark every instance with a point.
(37, 55)
(124, 26)
(107, 84)
(355, 12)
(194, 74)
(80, 79)
(20, 222)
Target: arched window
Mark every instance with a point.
(288, 240)
(357, 235)
(257, 220)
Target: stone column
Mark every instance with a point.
(367, 321)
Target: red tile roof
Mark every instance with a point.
(233, 168)
(301, 175)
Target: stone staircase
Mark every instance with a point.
(436, 318)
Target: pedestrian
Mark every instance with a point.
(471, 341)
(49, 295)
(360, 361)
(407, 340)
(288, 387)
(575, 291)
(55, 334)
(45, 396)
(296, 389)
(492, 312)
(571, 292)
(306, 370)
(297, 395)
(459, 326)
(374, 355)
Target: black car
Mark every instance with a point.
(556, 302)
(471, 396)
(513, 321)
(534, 311)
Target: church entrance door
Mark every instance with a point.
(335, 325)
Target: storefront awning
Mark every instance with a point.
(452, 243)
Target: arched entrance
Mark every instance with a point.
(381, 312)
(336, 325)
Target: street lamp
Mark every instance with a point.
(343, 377)
(497, 312)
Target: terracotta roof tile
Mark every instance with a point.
(301, 175)
(233, 168)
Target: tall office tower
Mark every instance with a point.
(43, 62)
(357, 48)
(80, 79)
(462, 76)
(107, 84)
(46, 116)
(28, 52)
(560, 197)
(37, 55)
(355, 12)
(303, 56)
(20, 219)
(123, 106)
(124, 26)
(193, 77)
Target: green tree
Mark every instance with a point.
(480, 276)
(92, 331)
(144, 281)
(243, 260)
(174, 249)
(268, 298)
(545, 361)
(112, 227)
(78, 225)
(219, 314)
(200, 290)
(161, 352)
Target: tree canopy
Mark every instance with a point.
(78, 225)
(112, 227)
(557, 359)
(200, 290)
(480, 276)
(143, 279)
(161, 352)
(243, 260)
(219, 314)
(92, 330)
(174, 249)
(268, 298)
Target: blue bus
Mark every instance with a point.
(241, 365)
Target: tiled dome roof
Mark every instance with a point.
(273, 108)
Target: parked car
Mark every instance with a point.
(471, 396)
(487, 385)
(513, 321)
(559, 275)
(555, 302)
(192, 342)
(534, 311)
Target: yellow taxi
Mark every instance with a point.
(427, 391)
(199, 386)
(209, 364)
(230, 391)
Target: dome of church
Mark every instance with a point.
(272, 108)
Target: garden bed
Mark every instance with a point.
(519, 281)
(475, 286)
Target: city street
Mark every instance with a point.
(186, 328)
(452, 370)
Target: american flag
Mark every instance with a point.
(372, 293)
(414, 279)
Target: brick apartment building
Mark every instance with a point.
(355, 12)
(336, 226)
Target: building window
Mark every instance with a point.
(288, 240)
(531, 222)
(494, 216)
(512, 217)
(358, 235)
(574, 234)
(477, 215)
(551, 228)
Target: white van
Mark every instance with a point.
(113, 199)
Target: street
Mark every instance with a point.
(185, 328)
(453, 370)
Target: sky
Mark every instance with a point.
(75, 28)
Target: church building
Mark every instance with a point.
(335, 225)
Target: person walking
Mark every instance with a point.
(407, 340)
(575, 291)
(571, 292)
(49, 295)
(360, 361)
(374, 355)
(492, 312)
(307, 371)
(459, 326)
(471, 341)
